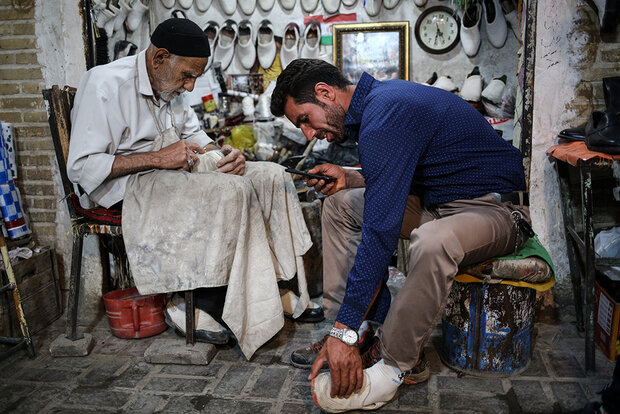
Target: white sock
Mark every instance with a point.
(385, 381)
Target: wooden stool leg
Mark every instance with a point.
(190, 312)
(74, 288)
(104, 253)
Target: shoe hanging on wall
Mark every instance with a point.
(136, 15)
(186, 4)
(228, 6)
(390, 4)
(246, 51)
(225, 46)
(470, 29)
(309, 5)
(266, 47)
(203, 5)
(287, 4)
(290, 45)
(472, 87)
(446, 83)
(420, 3)
(212, 30)
(373, 7)
(495, 22)
(331, 6)
(247, 6)
(431, 81)
(312, 40)
(494, 91)
(168, 3)
(266, 5)
(110, 18)
(349, 3)
(124, 9)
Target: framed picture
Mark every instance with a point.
(381, 49)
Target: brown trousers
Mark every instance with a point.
(468, 231)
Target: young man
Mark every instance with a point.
(433, 171)
(229, 226)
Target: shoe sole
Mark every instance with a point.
(197, 335)
(419, 378)
(374, 406)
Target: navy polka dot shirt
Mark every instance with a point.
(417, 139)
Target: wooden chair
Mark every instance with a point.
(105, 223)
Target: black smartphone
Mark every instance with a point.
(307, 174)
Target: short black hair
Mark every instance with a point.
(298, 80)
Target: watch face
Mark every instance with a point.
(437, 29)
(349, 337)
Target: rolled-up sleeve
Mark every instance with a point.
(95, 127)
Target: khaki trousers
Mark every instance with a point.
(457, 233)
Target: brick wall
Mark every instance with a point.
(21, 103)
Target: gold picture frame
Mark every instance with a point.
(381, 49)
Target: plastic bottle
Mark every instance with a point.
(209, 103)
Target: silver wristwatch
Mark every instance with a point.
(346, 335)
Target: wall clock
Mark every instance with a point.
(437, 29)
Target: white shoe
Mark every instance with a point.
(266, 47)
(290, 45)
(330, 6)
(494, 91)
(446, 83)
(379, 388)
(495, 22)
(266, 5)
(247, 6)
(207, 328)
(203, 5)
(472, 87)
(228, 7)
(287, 4)
(186, 4)
(136, 14)
(312, 40)
(225, 46)
(124, 10)
(390, 4)
(309, 5)
(110, 19)
(420, 3)
(246, 51)
(470, 29)
(373, 7)
(212, 31)
(349, 3)
(431, 81)
(168, 3)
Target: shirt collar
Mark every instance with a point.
(144, 84)
(356, 107)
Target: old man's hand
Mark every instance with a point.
(180, 156)
(233, 161)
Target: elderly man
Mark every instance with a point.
(194, 216)
(433, 171)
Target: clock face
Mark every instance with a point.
(437, 29)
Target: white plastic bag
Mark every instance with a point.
(607, 245)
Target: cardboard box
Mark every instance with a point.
(37, 281)
(606, 322)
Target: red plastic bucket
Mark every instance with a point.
(132, 315)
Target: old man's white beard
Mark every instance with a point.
(170, 95)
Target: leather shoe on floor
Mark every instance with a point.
(603, 132)
(311, 315)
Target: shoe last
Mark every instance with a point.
(330, 6)
(390, 4)
(212, 31)
(496, 27)
(168, 3)
(225, 46)
(266, 48)
(420, 3)
(203, 5)
(266, 5)
(470, 29)
(246, 51)
(137, 12)
(290, 45)
(312, 40)
(186, 4)
(247, 6)
(349, 3)
(495, 90)
(373, 7)
(228, 6)
(446, 83)
(309, 5)
(287, 4)
(472, 87)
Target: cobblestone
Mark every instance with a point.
(116, 378)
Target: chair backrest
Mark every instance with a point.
(59, 104)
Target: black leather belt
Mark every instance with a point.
(515, 198)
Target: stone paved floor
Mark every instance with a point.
(115, 378)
